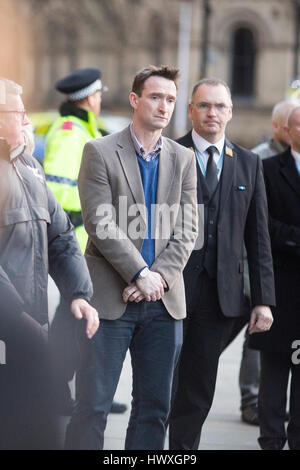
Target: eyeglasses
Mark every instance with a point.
(23, 112)
(219, 108)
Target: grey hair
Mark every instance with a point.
(8, 87)
(291, 115)
(282, 111)
(211, 82)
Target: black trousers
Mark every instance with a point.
(207, 334)
(64, 350)
(275, 370)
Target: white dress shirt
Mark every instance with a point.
(202, 155)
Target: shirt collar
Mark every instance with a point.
(140, 149)
(296, 155)
(202, 144)
(17, 152)
(276, 145)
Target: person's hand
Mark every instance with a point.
(152, 286)
(261, 319)
(82, 309)
(132, 293)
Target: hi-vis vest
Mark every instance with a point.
(64, 146)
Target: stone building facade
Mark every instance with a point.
(250, 44)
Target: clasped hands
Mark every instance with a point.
(150, 288)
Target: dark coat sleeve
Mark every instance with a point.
(285, 237)
(257, 241)
(67, 265)
(11, 301)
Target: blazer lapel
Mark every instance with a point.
(228, 171)
(289, 171)
(166, 172)
(129, 162)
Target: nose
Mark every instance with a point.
(163, 106)
(26, 120)
(212, 111)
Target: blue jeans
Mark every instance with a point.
(154, 339)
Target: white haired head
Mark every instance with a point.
(280, 114)
(8, 87)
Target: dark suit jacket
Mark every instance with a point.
(243, 217)
(283, 192)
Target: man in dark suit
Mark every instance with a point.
(231, 187)
(278, 356)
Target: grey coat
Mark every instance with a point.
(36, 238)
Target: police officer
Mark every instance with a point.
(65, 140)
(67, 137)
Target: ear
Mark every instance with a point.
(190, 108)
(274, 125)
(133, 100)
(90, 100)
(230, 113)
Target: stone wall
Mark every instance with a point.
(46, 39)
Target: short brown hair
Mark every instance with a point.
(164, 71)
(211, 82)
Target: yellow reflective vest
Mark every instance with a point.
(64, 146)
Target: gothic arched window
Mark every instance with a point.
(243, 63)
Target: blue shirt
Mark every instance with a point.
(296, 157)
(148, 165)
(149, 175)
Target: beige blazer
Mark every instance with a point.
(113, 208)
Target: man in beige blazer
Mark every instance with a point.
(139, 205)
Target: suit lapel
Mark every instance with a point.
(166, 172)
(289, 171)
(129, 162)
(189, 141)
(202, 189)
(228, 171)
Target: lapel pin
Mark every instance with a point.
(229, 151)
(192, 149)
